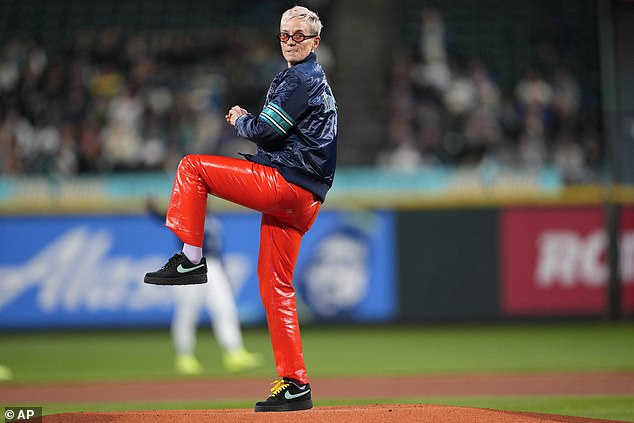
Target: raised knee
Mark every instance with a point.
(188, 162)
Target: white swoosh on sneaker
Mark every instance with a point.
(290, 396)
(181, 269)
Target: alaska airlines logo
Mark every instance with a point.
(78, 272)
(74, 272)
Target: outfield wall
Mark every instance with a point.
(509, 262)
(462, 264)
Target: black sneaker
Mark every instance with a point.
(286, 395)
(179, 271)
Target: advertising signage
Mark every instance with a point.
(554, 261)
(87, 270)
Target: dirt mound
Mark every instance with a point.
(353, 414)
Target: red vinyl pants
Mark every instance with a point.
(288, 211)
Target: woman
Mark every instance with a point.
(286, 180)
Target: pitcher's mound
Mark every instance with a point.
(393, 413)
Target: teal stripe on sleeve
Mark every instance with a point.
(282, 113)
(272, 123)
(275, 114)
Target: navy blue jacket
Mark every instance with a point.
(296, 131)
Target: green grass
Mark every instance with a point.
(471, 349)
(345, 351)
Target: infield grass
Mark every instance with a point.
(344, 351)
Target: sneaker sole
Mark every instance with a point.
(184, 280)
(291, 406)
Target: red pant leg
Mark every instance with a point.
(288, 212)
(279, 246)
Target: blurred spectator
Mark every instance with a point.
(482, 128)
(403, 157)
(533, 91)
(566, 98)
(434, 68)
(67, 161)
(9, 151)
(568, 158)
(402, 151)
(481, 132)
(89, 150)
(121, 135)
(535, 96)
(532, 141)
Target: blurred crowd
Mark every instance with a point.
(130, 102)
(140, 101)
(446, 111)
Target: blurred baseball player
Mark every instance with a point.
(218, 298)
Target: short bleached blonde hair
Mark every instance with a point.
(311, 18)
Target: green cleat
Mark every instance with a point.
(241, 360)
(187, 365)
(5, 373)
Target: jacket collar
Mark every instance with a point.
(312, 57)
